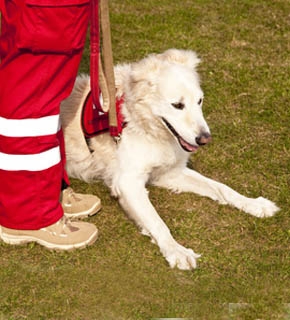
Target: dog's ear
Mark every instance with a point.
(136, 76)
(145, 72)
(187, 58)
(146, 68)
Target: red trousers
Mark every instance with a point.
(41, 45)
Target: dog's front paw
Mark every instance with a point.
(182, 258)
(261, 207)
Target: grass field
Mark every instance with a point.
(244, 272)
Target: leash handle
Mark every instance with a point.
(95, 51)
(100, 19)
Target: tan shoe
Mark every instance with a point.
(78, 205)
(62, 235)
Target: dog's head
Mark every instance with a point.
(166, 89)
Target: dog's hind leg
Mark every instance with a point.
(187, 180)
(134, 199)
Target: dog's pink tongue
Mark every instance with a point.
(187, 146)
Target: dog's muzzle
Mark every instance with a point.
(202, 139)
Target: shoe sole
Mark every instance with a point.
(84, 214)
(19, 240)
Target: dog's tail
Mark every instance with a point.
(77, 150)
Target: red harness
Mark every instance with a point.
(94, 121)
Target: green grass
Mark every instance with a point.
(245, 266)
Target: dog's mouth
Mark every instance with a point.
(184, 144)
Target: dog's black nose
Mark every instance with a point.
(203, 138)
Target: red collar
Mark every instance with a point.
(94, 121)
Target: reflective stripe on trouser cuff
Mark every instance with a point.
(30, 127)
(30, 162)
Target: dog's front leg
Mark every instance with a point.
(187, 180)
(134, 199)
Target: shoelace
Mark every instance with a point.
(72, 195)
(61, 228)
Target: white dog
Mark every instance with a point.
(165, 124)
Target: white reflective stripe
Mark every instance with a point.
(29, 127)
(30, 162)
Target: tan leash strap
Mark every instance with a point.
(108, 60)
(104, 88)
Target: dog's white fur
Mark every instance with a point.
(149, 152)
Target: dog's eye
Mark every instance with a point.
(178, 105)
(200, 101)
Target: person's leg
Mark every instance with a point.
(41, 47)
